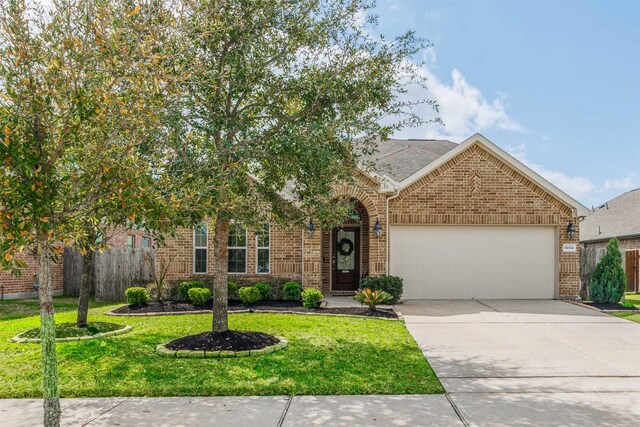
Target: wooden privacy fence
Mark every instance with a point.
(632, 270)
(589, 257)
(114, 271)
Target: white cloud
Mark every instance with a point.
(627, 183)
(577, 186)
(463, 108)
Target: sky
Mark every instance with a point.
(554, 83)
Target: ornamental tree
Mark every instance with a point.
(608, 281)
(78, 122)
(282, 94)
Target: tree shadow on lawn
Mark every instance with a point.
(128, 366)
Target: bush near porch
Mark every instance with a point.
(326, 355)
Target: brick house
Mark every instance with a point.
(453, 220)
(15, 287)
(619, 217)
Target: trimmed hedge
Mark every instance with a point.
(292, 291)
(311, 297)
(389, 284)
(199, 296)
(137, 296)
(264, 290)
(232, 291)
(249, 294)
(183, 288)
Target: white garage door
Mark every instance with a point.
(462, 262)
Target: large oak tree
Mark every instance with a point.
(280, 93)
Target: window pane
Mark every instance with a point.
(201, 261)
(237, 261)
(262, 236)
(237, 236)
(146, 242)
(131, 241)
(263, 260)
(201, 237)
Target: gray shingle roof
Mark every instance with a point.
(622, 218)
(400, 158)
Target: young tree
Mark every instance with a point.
(279, 92)
(79, 91)
(608, 281)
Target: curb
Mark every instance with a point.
(162, 350)
(125, 330)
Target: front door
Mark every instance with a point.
(345, 259)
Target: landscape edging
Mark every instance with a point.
(125, 330)
(162, 350)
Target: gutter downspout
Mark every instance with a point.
(397, 193)
(302, 261)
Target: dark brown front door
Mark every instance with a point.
(345, 259)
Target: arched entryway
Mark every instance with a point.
(345, 253)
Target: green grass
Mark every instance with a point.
(66, 330)
(18, 309)
(326, 355)
(634, 298)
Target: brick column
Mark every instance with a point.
(312, 255)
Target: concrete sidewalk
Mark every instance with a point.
(405, 410)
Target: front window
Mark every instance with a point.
(262, 249)
(237, 249)
(146, 242)
(200, 249)
(131, 241)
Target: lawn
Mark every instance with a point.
(635, 299)
(326, 355)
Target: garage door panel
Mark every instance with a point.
(461, 262)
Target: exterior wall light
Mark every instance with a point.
(377, 228)
(571, 231)
(310, 228)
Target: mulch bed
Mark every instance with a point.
(224, 341)
(613, 307)
(281, 306)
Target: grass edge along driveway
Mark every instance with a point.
(326, 355)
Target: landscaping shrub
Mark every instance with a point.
(276, 290)
(311, 297)
(199, 296)
(183, 288)
(137, 296)
(264, 290)
(249, 294)
(292, 291)
(232, 291)
(608, 281)
(372, 298)
(392, 285)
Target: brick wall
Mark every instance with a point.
(22, 286)
(285, 253)
(476, 187)
(118, 237)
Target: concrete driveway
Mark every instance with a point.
(511, 362)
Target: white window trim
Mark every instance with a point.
(246, 251)
(264, 247)
(206, 270)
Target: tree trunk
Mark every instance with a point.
(48, 338)
(220, 257)
(85, 288)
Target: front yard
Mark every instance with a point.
(326, 355)
(635, 300)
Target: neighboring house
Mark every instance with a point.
(453, 220)
(619, 217)
(14, 287)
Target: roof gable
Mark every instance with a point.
(478, 139)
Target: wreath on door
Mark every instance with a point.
(345, 246)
